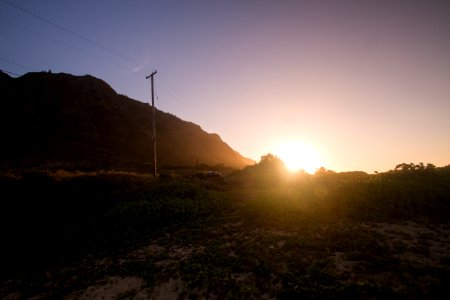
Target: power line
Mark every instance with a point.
(86, 39)
(179, 96)
(9, 72)
(65, 44)
(17, 64)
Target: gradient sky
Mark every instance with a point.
(366, 83)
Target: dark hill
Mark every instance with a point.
(81, 121)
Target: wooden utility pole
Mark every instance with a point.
(154, 123)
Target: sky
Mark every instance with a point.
(365, 85)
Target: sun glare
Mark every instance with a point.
(298, 156)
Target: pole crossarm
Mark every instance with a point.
(151, 75)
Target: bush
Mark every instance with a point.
(47, 220)
(168, 204)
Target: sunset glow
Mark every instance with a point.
(298, 156)
(368, 79)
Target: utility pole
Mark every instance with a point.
(154, 123)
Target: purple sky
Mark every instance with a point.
(365, 83)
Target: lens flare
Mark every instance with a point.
(298, 156)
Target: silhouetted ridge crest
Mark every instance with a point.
(62, 118)
(4, 76)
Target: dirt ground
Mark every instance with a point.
(239, 261)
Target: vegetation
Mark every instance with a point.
(259, 233)
(405, 194)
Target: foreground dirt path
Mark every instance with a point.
(239, 260)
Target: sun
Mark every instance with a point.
(297, 156)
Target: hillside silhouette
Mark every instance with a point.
(80, 121)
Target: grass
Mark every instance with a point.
(313, 237)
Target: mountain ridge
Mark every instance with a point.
(58, 117)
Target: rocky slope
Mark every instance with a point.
(62, 119)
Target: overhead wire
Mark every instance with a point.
(67, 30)
(177, 95)
(79, 36)
(9, 72)
(65, 44)
(17, 64)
